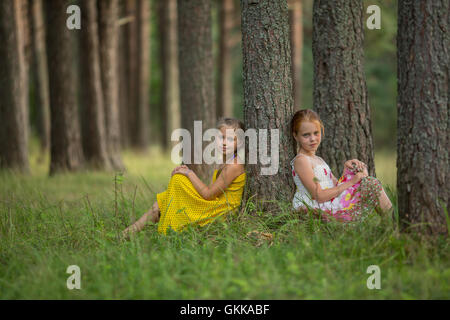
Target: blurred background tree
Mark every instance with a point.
(148, 93)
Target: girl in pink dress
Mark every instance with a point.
(346, 199)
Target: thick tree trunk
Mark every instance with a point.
(423, 42)
(225, 74)
(170, 106)
(196, 70)
(340, 91)
(13, 89)
(109, 40)
(40, 72)
(65, 151)
(268, 102)
(94, 135)
(142, 120)
(296, 23)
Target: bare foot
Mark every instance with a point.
(152, 215)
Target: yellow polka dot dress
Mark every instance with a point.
(181, 204)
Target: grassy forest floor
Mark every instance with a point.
(47, 224)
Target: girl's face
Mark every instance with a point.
(308, 136)
(227, 143)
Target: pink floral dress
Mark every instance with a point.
(353, 203)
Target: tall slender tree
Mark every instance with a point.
(296, 23)
(40, 72)
(94, 135)
(170, 106)
(130, 69)
(109, 40)
(423, 181)
(196, 69)
(340, 90)
(141, 130)
(13, 89)
(125, 61)
(26, 34)
(66, 152)
(268, 102)
(135, 75)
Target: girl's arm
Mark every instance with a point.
(305, 172)
(228, 174)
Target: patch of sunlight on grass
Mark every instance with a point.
(386, 168)
(39, 161)
(144, 163)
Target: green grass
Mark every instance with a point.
(47, 224)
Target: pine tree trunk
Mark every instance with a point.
(170, 106)
(109, 40)
(196, 70)
(143, 75)
(268, 102)
(94, 135)
(65, 147)
(340, 91)
(131, 69)
(124, 104)
(225, 73)
(26, 35)
(13, 89)
(423, 42)
(40, 72)
(296, 23)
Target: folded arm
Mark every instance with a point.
(228, 174)
(305, 172)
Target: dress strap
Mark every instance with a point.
(299, 154)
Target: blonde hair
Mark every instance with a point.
(230, 122)
(234, 124)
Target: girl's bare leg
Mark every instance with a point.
(151, 215)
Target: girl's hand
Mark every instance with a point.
(360, 166)
(184, 170)
(358, 177)
(176, 169)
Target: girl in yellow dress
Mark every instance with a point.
(188, 200)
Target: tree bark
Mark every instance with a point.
(225, 73)
(340, 91)
(109, 40)
(124, 70)
(423, 41)
(26, 32)
(196, 70)
(13, 89)
(268, 102)
(66, 152)
(94, 135)
(170, 106)
(40, 73)
(142, 120)
(296, 23)
(128, 108)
